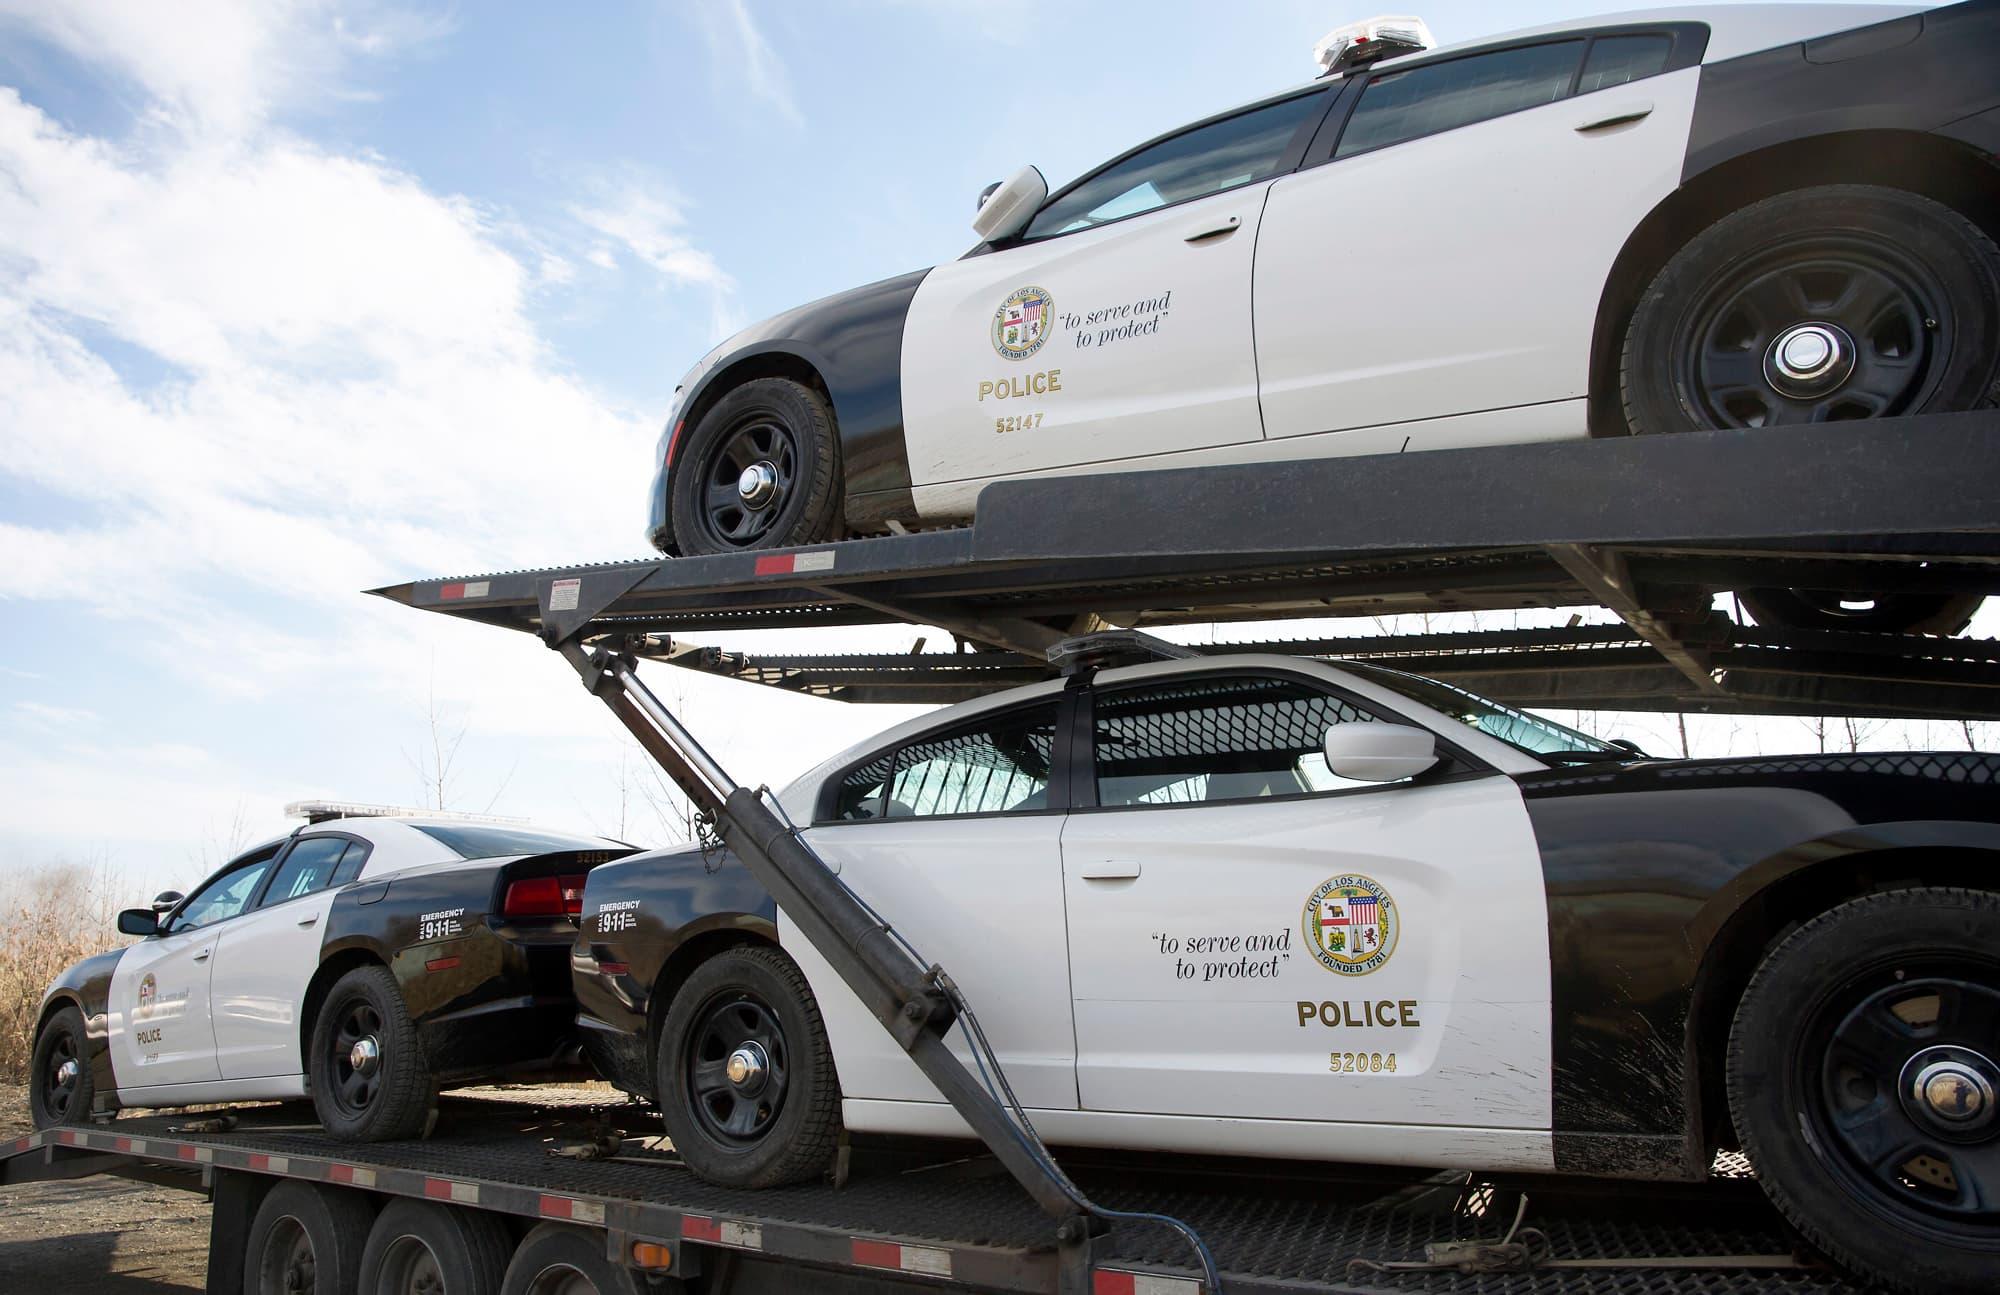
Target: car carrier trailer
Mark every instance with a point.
(1648, 527)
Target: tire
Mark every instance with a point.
(390, 1097)
(774, 424)
(779, 1125)
(306, 1240)
(556, 1259)
(422, 1248)
(1836, 1029)
(61, 1087)
(1911, 290)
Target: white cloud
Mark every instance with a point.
(642, 215)
(44, 716)
(744, 57)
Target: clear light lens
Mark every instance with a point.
(1342, 46)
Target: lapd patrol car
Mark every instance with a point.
(1263, 906)
(1735, 216)
(363, 960)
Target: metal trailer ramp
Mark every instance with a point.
(1277, 1229)
(1649, 527)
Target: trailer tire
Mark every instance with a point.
(780, 1122)
(390, 1095)
(306, 1240)
(1862, 1080)
(558, 1259)
(421, 1248)
(61, 1087)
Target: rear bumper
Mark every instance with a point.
(506, 1037)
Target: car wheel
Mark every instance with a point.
(760, 470)
(419, 1248)
(306, 1240)
(370, 1079)
(555, 1259)
(1822, 305)
(745, 1077)
(61, 1088)
(1864, 1080)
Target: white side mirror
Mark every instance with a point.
(1005, 211)
(1370, 751)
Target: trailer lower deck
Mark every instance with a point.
(948, 1215)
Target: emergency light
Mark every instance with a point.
(1370, 40)
(321, 811)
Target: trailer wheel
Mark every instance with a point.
(1840, 302)
(60, 1088)
(370, 1079)
(746, 1080)
(1864, 1078)
(557, 1259)
(306, 1240)
(761, 470)
(422, 1248)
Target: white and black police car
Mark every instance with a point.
(1723, 217)
(366, 959)
(1262, 906)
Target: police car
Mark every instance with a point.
(1735, 216)
(366, 959)
(1262, 906)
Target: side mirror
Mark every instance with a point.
(138, 921)
(1006, 208)
(166, 899)
(1370, 751)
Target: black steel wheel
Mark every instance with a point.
(423, 1248)
(1828, 304)
(759, 470)
(746, 1079)
(61, 1087)
(1864, 1079)
(306, 1240)
(370, 1079)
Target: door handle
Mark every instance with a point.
(1207, 232)
(309, 920)
(201, 955)
(1619, 116)
(1110, 870)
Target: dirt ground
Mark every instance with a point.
(109, 1236)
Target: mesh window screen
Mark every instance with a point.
(1213, 740)
(999, 767)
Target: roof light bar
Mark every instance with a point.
(1108, 648)
(321, 811)
(1371, 40)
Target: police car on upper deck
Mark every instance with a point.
(1261, 906)
(1733, 216)
(366, 959)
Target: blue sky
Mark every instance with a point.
(300, 299)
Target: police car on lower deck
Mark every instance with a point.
(1735, 216)
(1263, 906)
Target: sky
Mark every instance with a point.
(299, 299)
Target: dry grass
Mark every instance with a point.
(49, 917)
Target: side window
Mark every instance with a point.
(350, 863)
(1400, 106)
(309, 867)
(1615, 60)
(224, 897)
(1236, 151)
(999, 766)
(1209, 740)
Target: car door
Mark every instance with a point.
(162, 1021)
(266, 957)
(953, 839)
(1116, 327)
(1252, 938)
(1449, 258)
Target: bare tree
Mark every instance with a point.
(1857, 733)
(435, 763)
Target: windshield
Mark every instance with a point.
(1517, 728)
(474, 841)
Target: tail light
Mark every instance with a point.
(544, 897)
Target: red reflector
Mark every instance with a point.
(451, 591)
(674, 441)
(614, 969)
(440, 964)
(776, 564)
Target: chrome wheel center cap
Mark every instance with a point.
(1957, 1094)
(746, 1066)
(67, 1072)
(757, 484)
(364, 1056)
(1809, 359)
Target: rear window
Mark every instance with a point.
(477, 841)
